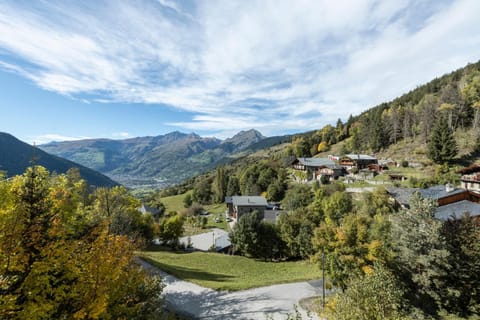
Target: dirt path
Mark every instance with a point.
(202, 303)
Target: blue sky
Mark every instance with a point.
(116, 69)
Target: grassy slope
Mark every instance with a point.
(175, 203)
(224, 272)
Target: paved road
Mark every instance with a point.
(202, 303)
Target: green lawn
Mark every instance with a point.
(174, 203)
(192, 229)
(224, 272)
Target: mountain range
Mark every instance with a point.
(155, 161)
(16, 156)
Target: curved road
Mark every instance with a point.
(203, 303)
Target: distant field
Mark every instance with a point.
(224, 272)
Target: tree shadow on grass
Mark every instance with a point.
(189, 274)
(467, 159)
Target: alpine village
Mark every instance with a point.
(372, 216)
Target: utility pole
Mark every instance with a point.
(323, 280)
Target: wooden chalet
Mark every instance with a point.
(360, 161)
(239, 205)
(316, 167)
(448, 194)
(376, 167)
(452, 202)
(470, 179)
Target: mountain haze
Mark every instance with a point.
(16, 156)
(160, 160)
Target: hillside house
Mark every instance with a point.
(239, 205)
(451, 201)
(446, 194)
(378, 168)
(144, 209)
(360, 161)
(470, 179)
(315, 168)
(389, 163)
(457, 209)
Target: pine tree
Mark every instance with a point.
(422, 258)
(442, 146)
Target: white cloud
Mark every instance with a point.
(49, 137)
(273, 65)
(121, 135)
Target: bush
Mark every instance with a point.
(404, 164)
(324, 179)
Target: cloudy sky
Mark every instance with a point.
(116, 69)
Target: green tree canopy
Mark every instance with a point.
(442, 146)
(60, 258)
(377, 295)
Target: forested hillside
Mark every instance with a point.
(455, 97)
(408, 121)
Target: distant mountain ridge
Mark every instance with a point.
(159, 160)
(243, 140)
(16, 156)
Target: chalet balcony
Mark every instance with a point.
(471, 178)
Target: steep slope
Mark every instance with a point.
(156, 161)
(16, 156)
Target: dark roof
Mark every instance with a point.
(148, 209)
(249, 201)
(439, 192)
(457, 209)
(402, 195)
(316, 162)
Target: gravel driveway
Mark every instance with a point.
(202, 303)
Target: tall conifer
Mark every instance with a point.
(442, 146)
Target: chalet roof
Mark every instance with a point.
(457, 209)
(470, 169)
(148, 209)
(316, 162)
(360, 157)
(402, 195)
(439, 192)
(249, 201)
